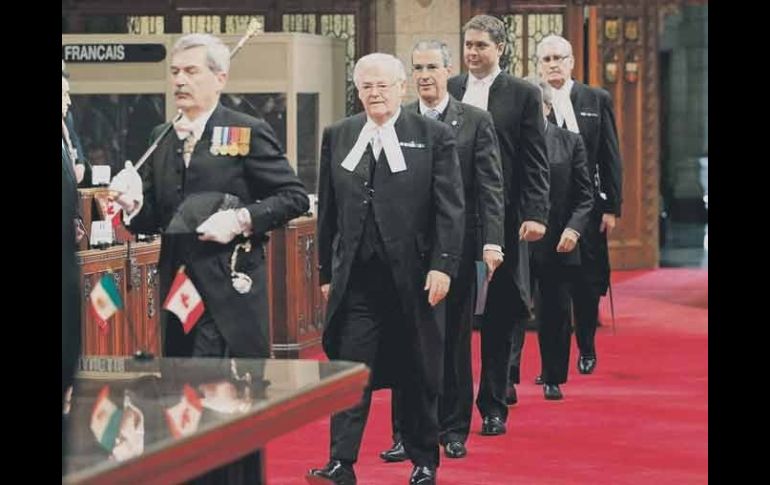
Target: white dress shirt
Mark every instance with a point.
(477, 90)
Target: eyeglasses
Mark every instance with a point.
(554, 58)
(369, 87)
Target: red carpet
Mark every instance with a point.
(641, 418)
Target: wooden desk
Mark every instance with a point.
(279, 396)
(137, 326)
(297, 308)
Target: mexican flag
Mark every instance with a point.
(105, 419)
(105, 300)
(184, 301)
(184, 417)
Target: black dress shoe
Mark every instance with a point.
(455, 449)
(510, 395)
(334, 473)
(395, 454)
(539, 380)
(423, 475)
(552, 392)
(586, 364)
(492, 426)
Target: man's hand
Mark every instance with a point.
(80, 230)
(531, 231)
(325, 291)
(493, 259)
(220, 227)
(608, 223)
(437, 284)
(80, 172)
(567, 242)
(126, 188)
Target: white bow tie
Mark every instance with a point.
(184, 128)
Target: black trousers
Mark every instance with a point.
(370, 308)
(585, 300)
(204, 340)
(554, 333)
(455, 405)
(505, 314)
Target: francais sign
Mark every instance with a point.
(113, 52)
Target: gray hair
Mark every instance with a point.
(560, 43)
(217, 53)
(491, 25)
(438, 45)
(546, 92)
(393, 62)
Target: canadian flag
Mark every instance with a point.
(184, 301)
(112, 213)
(184, 417)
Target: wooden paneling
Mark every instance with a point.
(634, 244)
(137, 325)
(297, 304)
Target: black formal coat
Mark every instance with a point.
(518, 117)
(264, 181)
(420, 217)
(481, 172)
(70, 274)
(571, 195)
(596, 122)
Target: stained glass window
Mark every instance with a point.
(513, 57)
(300, 22)
(237, 24)
(202, 24)
(525, 31)
(343, 26)
(145, 24)
(538, 27)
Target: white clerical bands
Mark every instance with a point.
(389, 142)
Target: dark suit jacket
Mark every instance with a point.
(571, 195)
(481, 170)
(273, 194)
(596, 121)
(420, 217)
(70, 275)
(75, 139)
(518, 116)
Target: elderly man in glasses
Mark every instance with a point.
(391, 216)
(587, 111)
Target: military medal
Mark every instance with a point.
(224, 139)
(241, 281)
(244, 141)
(216, 140)
(232, 142)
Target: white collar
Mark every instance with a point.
(439, 107)
(486, 80)
(390, 143)
(196, 126)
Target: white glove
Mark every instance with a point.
(128, 185)
(220, 227)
